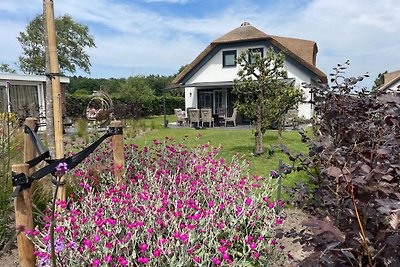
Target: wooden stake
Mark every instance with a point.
(118, 152)
(24, 221)
(56, 88)
(29, 151)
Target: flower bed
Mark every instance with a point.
(179, 207)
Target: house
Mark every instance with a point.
(26, 94)
(391, 82)
(208, 80)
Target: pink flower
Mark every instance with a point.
(210, 204)
(96, 238)
(222, 249)
(184, 237)
(143, 247)
(216, 261)
(96, 262)
(248, 201)
(143, 260)
(271, 205)
(253, 246)
(157, 252)
(196, 259)
(108, 258)
(225, 256)
(176, 235)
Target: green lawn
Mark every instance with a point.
(232, 141)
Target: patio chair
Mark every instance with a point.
(206, 117)
(180, 116)
(232, 118)
(194, 116)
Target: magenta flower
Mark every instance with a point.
(248, 201)
(143, 247)
(222, 249)
(216, 261)
(196, 259)
(108, 258)
(253, 246)
(157, 252)
(143, 260)
(96, 262)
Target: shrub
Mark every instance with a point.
(357, 189)
(179, 207)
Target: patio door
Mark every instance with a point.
(220, 102)
(205, 99)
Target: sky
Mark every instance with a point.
(143, 37)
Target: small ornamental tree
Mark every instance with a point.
(263, 95)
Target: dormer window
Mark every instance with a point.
(254, 51)
(229, 58)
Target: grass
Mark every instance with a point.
(231, 141)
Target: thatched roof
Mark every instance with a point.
(389, 79)
(303, 51)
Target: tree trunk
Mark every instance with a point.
(280, 130)
(259, 149)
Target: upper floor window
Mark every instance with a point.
(254, 51)
(229, 58)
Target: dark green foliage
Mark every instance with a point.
(5, 68)
(109, 86)
(125, 107)
(72, 41)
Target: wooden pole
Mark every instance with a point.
(49, 99)
(56, 88)
(24, 221)
(29, 151)
(118, 152)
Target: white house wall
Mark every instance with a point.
(213, 71)
(301, 76)
(190, 97)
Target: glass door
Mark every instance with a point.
(205, 99)
(220, 102)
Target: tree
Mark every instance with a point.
(72, 40)
(378, 82)
(5, 68)
(263, 94)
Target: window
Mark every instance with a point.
(229, 58)
(254, 51)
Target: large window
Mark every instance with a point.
(229, 58)
(255, 51)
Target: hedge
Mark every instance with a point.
(126, 108)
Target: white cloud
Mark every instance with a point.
(131, 35)
(168, 1)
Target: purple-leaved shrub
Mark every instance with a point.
(178, 207)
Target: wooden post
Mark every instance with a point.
(29, 151)
(118, 152)
(56, 88)
(24, 221)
